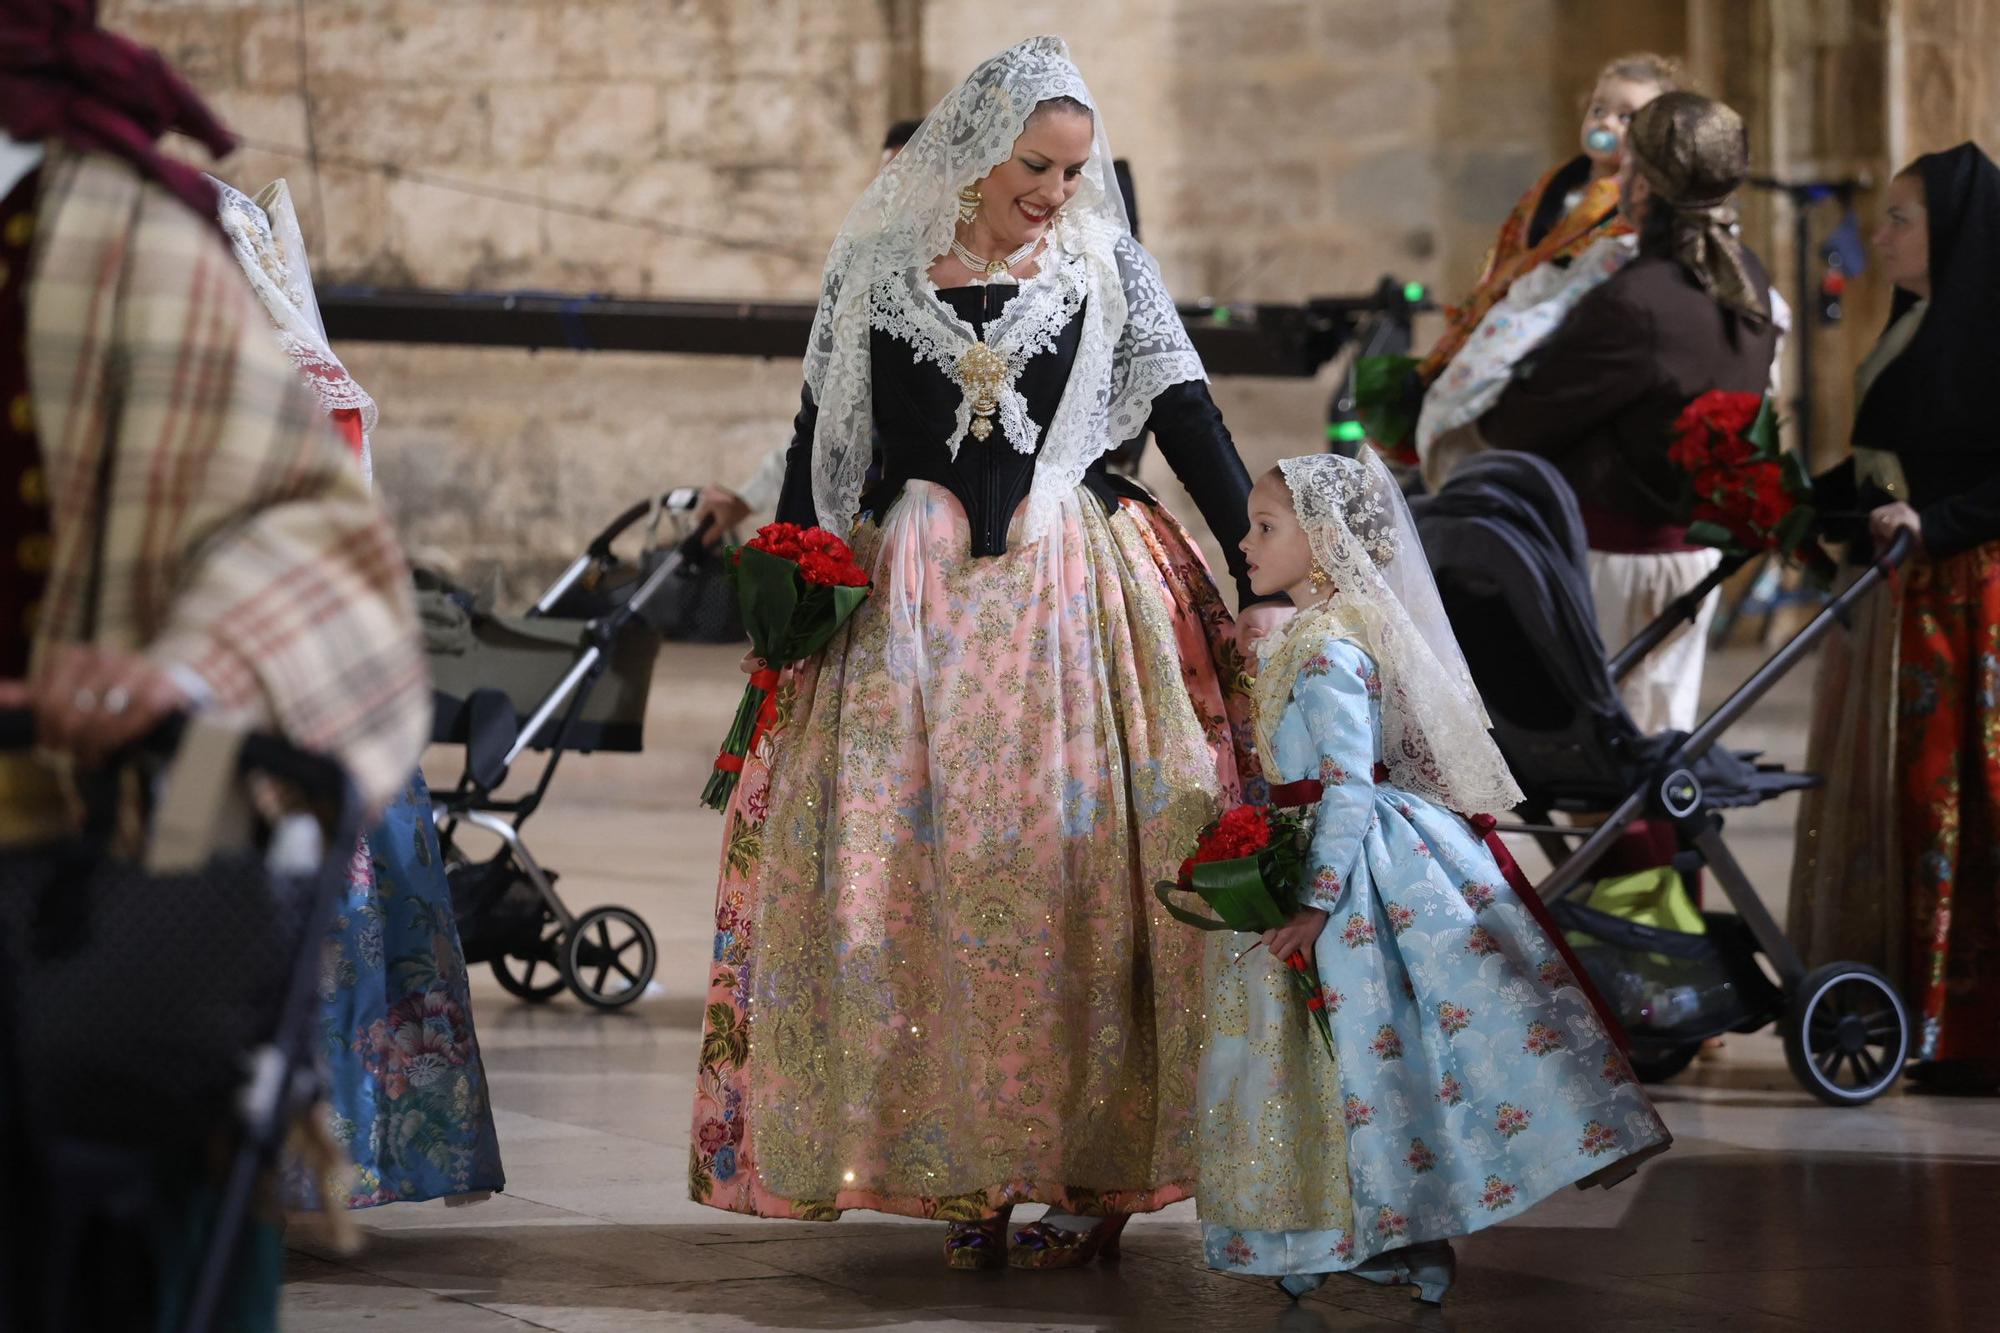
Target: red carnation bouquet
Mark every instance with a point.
(1749, 495)
(797, 587)
(1249, 868)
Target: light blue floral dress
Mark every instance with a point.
(405, 1080)
(1474, 1078)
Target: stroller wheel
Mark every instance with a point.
(609, 957)
(537, 977)
(1847, 1034)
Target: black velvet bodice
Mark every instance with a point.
(916, 405)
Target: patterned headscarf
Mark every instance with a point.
(1694, 152)
(64, 78)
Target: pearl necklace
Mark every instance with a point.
(993, 270)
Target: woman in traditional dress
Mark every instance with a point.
(407, 1087)
(1572, 208)
(1473, 1072)
(1692, 313)
(1897, 854)
(940, 987)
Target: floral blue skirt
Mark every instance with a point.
(407, 1088)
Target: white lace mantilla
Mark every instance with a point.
(1132, 345)
(1436, 741)
(264, 233)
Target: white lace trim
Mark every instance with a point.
(264, 233)
(909, 308)
(1436, 741)
(1132, 345)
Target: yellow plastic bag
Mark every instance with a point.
(1655, 898)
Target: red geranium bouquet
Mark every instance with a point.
(1749, 495)
(1248, 867)
(797, 587)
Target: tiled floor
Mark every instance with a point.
(1771, 1213)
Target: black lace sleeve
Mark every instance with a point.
(795, 501)
(1197, 446)
(1962, 521)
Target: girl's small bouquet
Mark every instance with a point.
(1749, 494)
(797, 587)
(1249, 868)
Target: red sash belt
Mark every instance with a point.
(1306, 791)
(1485, 826)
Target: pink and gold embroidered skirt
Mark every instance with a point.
(941, 982)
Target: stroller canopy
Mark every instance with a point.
(1505, 543)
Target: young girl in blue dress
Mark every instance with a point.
(1474, 1075)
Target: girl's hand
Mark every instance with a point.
(1297, 935)
(1884, 523)
(752, 664)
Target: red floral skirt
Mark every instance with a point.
(1948, 748)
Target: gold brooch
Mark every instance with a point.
(982, 374)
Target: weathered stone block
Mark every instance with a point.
(592, 125)
(420, 42)
(200, 41)
(278, 119)
(417, 126)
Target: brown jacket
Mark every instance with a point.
(1601, 397)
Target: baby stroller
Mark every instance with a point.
(157, 1029)
(1506, 546)
(572, 674)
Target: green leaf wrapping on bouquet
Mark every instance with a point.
(1763, 431)
(821, 612)
(767, 590)
(1704, 533)
(1239, 892)
(1382, 400)
(1798, 538)
(788, 620)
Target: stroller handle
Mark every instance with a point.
(1681, 611)
(681, 498)
(316, 776)
(1900, 548)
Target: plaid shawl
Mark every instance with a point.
(240, 539)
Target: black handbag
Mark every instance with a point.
(137, 997)
(697, 604)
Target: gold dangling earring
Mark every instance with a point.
(1319, 578)
(969, 200)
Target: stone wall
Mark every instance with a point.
(1845, 88)
(1283, 148)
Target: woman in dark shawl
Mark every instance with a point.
(1907, 719)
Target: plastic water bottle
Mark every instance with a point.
(1674, 1006)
